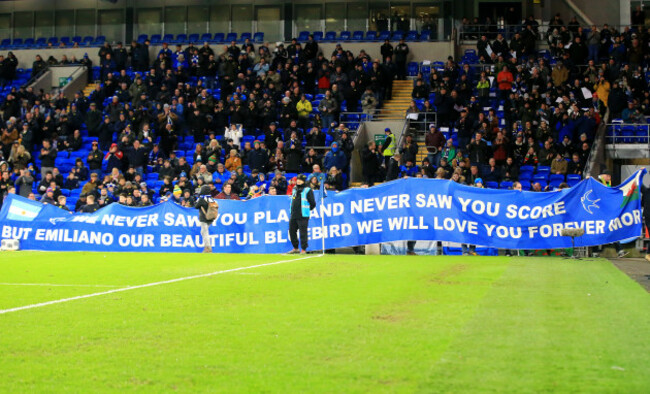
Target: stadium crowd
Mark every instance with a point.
(511, 106)
(245, 120)
(237, 118)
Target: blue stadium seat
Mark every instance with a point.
(193, 38)
(53, 40)
(88, 40)
(6, 43)
(206, 37)
(384, 35)
(100, 40)
(525, 185)
(506, 185)
(219, 38)
(425, 35)
(180, 39)
(525, 176)
(540, 178)
(397, 35)
(168, 38)
(231, 37)
(492, 185)
(371, 35)
(29, 42)
(357, 36)
(244, 36)
(345, 35)
(556, 177)
(412, 69)
(65, 40)
(573, 179)
(258, 37)
(412, 37)
(156, 39)
(318, 35)
(18, 42)
(330, 36)
(77, 40)
(142, 38)
(303, 36)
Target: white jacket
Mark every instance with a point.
(235, 135)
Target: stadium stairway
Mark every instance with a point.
(396, 107)
(89, 89)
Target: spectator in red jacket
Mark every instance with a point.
(504, 79)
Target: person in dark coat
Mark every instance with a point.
(371, 161)
(302, 202)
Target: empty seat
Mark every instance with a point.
(573, 179)
(318, 35)
(219, 38)
(194, 38)
(231, 37)
(168, 38)
(506, 185)
(303, 36)
(245, 36)
(142, 38)
(65, 40)
(345, 35)
(330, 36)
(258, 37)
(371, 35)
(5, 43)
(181, 38)
(357, 35)
(492, 185)
(206, 37)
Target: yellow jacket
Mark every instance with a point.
(602, 89)
(304, 108)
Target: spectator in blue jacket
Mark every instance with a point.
(335, 158)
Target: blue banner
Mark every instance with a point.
(405, 209)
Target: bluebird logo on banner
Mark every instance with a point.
(588, 204)
(405, 209)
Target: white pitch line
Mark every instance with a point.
(53, 285)
(164, 282)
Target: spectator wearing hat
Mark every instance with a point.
(302, 202)
(335, 158)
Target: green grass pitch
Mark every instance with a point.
(337, 323)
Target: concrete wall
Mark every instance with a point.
(600, 11)
(50, 80)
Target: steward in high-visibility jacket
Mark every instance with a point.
(388, 147)
(302, 202)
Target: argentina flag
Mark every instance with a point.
(23, 211)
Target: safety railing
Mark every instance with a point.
(628, 133)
